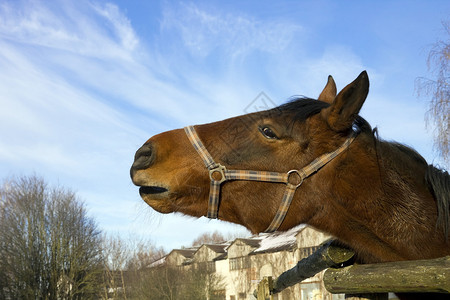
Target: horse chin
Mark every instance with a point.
(159, 206)
(156, 197)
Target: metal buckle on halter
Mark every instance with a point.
(299, 182)
(220, 169)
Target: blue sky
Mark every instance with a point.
(84, 83)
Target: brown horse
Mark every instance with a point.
(380, 198)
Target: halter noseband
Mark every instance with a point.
(293, 178)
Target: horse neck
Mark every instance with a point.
(379, 203)
(378, 172)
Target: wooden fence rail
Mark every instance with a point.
(423, 276)
(431, 276)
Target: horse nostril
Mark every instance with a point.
(144, 157)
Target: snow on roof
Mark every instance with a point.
(271, 242)
(251, 241)
(158, 262)
(218, 248)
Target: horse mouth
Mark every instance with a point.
(152, 191)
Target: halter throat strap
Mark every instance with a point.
(293, 179)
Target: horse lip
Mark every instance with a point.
(152, 190)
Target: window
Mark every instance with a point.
(208, 266)
(218, 295)
(239, 263)
(242, 296)
(211, 266)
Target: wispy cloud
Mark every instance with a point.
(204, 31)
(120, 24)
(74, 28)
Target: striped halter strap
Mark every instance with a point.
(293, 179)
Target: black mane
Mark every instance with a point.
(439, 184)
(301, 108)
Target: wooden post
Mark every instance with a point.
(420, 276)
(264, 289)
(328, 255)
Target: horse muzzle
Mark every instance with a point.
(144, 158)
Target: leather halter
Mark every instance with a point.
(293, 178)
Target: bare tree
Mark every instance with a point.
(439, 91)
(216, 237)
(142, 253)
(124, 260)
(115, 257)
(49, 247)
(209, 238)
(142, 273)
(176, 282)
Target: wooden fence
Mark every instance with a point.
(369, 281)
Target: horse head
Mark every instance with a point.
(172, 177)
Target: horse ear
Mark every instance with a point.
(345, 107)
(329, 92)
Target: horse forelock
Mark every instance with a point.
(302, 108)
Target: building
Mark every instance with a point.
(243, 262)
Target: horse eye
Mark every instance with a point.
(268, 133)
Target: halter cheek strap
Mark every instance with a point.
(293, 179)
